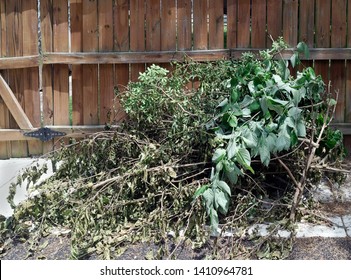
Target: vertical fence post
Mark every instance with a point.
(258, 25)
(76, 8)
(200, 26)
(31, 75)
(137, 34)
(347, 139)
(90, 71)
(243, 37)
(232, 31)
(322, 39)
(216, 25)
(184, 32)
(5, 147)
(121, 43)
(337, 68)
(306, 26)
(106, 71)
(61, 72)
(14, 33)
(46, 24)
(274, 20)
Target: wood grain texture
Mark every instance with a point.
(258, 25)
(121, 25)
(3, 29)
(12, 104)
(244, 27)
(323, 23)
(338, 82)
(348, 93)
(14, 40)
(168, 25)
(338, 24)
(306, 22)
(322, 36)
(81, 58)
(348, 75)
(290, 22)
(168, 28)
(153, 26)
(46, 26)
(184, 34)
(200, 25)
(60, 43)
(106, 75)
(274, 20)
(31, 75)
(232, 8)
(137, 34)
(90, 72)
(77, 70)
(216, 25)
(338, 68)
(121, 39)
(5, 147)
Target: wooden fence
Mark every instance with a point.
(103, 44)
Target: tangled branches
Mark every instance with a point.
(152, 179)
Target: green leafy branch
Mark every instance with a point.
(267, 112)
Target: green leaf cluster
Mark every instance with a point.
(264, 113)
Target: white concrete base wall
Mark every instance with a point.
(9, 170)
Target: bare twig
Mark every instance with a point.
(191, 176)
(185, 230)
(329, 168)
(287, 169)
(313, 147)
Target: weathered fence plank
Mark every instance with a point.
(168, 28)
(121, 43)
(274, 20)
(60, 44)
(106, 74)
(77, 70)
(348, 75)
(90, 72)
(184, 32)
(13, 105)
(337, 68)
(232, 31)
(258, 29)
(306, 22)
(243, 29)
(216, 25)
(290, 21)
(15, 79)
(306, 26)
(137, 34)
(5, 147)
(200, 24)
(46, 26)
(322, 35)
(153, 26)
(169, 25)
